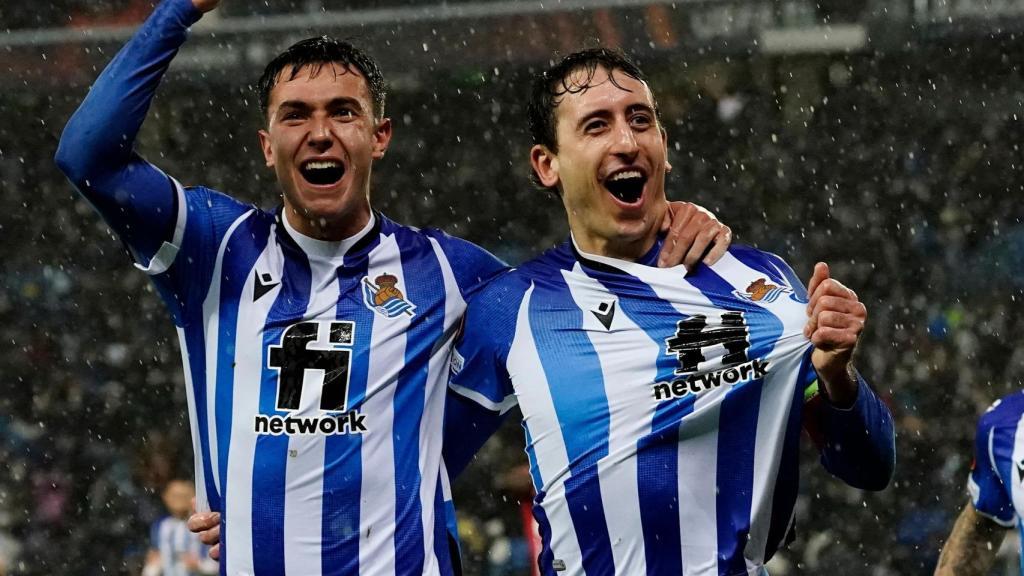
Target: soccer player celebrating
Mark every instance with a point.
(662, 410)
(315, 338)
(994, 485)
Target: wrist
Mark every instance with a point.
(840, 384)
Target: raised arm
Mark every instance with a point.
(97, 151)
(855, 429)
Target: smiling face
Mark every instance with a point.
(610, 162)
(321, 140)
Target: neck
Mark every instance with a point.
(329, 229)
(628, 249)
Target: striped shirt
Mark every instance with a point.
(170, 537)
(996, 483)
(315, 371)
(662, 412)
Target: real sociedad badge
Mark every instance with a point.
(383, 296)
(762, 291)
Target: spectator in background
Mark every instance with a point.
(173, 550)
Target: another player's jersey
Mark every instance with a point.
(315, 371)
(996, 483)
(171, 537)
(662, 411)
(316, 377)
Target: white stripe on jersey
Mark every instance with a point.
(617, 472)
(387, 343)
(552, 456)
(211, 334)
(245, 406)
(304, 479)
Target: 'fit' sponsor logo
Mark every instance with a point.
(697, 383)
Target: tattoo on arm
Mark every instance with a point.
(972, 545)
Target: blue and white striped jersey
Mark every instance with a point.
(315, 371)
(316, 378)
(170, 536)
(662, 411)
(996, 483)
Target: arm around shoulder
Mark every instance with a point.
(972, 545)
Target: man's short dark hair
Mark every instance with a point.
(551, 85)
(316, 52)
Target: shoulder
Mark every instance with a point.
(471, 265)
(1004, 413)
(216, 208)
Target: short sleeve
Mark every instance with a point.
(986, 488)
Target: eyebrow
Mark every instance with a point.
(605, 113)
(333, 104)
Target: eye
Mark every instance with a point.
(344, 113)
(594, 126)
(641, 120)
(291, 115)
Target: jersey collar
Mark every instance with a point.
(330, 250)
(617, 266)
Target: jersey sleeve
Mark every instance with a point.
(857, 444)
(480, 391)
(472, 266)
(986, 488)
(97, 149)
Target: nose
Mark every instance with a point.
(624, 144)
(320, 136)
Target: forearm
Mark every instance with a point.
(971, 547)
(96, 150)
(102, 132)
(859, 441)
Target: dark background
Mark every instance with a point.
(895, 158)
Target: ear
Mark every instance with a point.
(268, 151)
(545, 165)
(381, 138)
(664, 143)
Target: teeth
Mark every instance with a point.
(626, 175)
(322, 165)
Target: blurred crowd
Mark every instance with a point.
(906, 178)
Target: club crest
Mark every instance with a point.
(761, 290)
(383, 296)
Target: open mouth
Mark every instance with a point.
(627, 186)
(322, 172)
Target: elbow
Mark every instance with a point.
(70, 160)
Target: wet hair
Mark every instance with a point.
(315, 53)
(551, 86)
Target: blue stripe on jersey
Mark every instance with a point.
(546, 561)
(195, 346)
(441, 550)
(577, 391)
(658, 452)
(424, 284)
(244, 247)
(788, 481)
(268, 474)
(343, 457)
(1002, 450)
(531, 456)
(736, 441)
